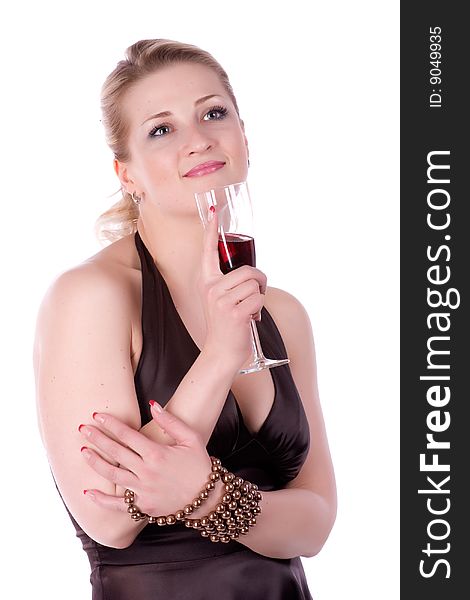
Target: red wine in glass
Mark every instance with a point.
(236, 246)
(236, 250)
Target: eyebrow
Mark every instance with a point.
(167, 113)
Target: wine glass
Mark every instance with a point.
(236, 247)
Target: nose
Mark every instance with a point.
(198, 140)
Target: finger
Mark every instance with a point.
(106, 500)
(250, 306)
(242, 291)
(182, 433)
(112, 448)
(238, 276)
(210, 248)
(114, 474)
(126, 435)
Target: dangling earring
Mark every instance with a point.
(137, 199)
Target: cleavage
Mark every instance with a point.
(254, 394)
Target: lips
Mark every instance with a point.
(205, 168)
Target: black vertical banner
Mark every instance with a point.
(435, 270)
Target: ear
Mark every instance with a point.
(122, 172)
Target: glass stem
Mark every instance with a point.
(258, 355)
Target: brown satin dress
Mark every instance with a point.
(177, 563)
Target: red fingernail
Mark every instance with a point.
(80, 426)
(156, 406)
(83, 448)
(212, 208)
(100, 419)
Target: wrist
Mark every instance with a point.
(235, 512)
(220, 361)
(210, 504)
(233, 515)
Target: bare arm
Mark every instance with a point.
(199, 398)
(296, 521)
(229, 301)
(82, 364)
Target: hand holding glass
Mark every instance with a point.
(236, 246)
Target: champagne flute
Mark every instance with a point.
(236, 247)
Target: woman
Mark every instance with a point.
(151, 319)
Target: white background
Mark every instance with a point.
(317, 86)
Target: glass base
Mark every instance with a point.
(263, 363)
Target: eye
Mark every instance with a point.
(157, 131)
(216, 113)
(220, 112)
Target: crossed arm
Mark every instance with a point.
(295, 521)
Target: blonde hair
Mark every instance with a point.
(141, 59)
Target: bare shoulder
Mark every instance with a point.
(290, 316)
(106, 277)
(283, 301)
(103, 288)
(82, 364)
(82, 348)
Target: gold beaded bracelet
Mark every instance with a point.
(179, 515)
(234, 514)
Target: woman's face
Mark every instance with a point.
(200, 125)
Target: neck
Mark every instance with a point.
(175, 244)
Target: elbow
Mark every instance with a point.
(315, 549)
(321, 534)
(106, 527)
(111, 537)
(118, 543)
(116, 540)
